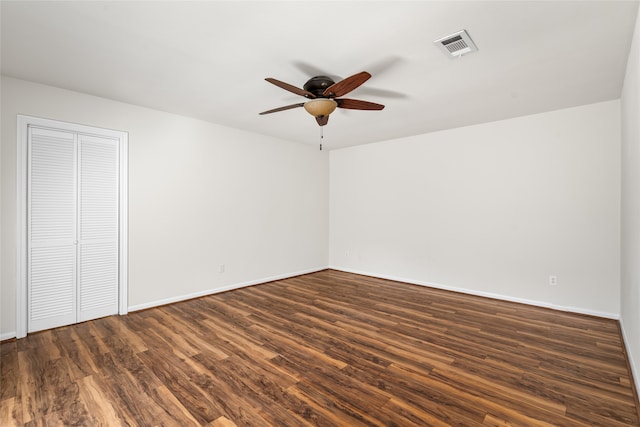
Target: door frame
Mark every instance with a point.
(22, 310)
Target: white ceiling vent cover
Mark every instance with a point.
(456, 44)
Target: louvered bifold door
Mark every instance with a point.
(52, 240)
(73, 205)
(98, 227)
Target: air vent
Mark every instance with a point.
(456, 44)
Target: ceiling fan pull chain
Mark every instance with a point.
(321, 137)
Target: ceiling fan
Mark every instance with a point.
(324, 94)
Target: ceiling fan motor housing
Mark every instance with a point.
(317, 85)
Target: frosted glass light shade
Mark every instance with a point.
(320, 106)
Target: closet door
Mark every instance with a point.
(73, 205)
(51, 219)
(98, 227)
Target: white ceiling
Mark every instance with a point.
(208, 59)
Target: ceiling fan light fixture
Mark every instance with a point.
(320, 106)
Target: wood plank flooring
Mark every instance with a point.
(326, 349)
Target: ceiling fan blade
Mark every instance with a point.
(290, 88)
(382, 93)
(287, 107)
(311, 70)
(345, 86)
(356, 104)
(382, 65)
(322, 120)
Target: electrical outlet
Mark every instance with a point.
(553, 280)
(221, 268)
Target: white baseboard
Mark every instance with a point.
(630, 357)
(484, 294)
(144, 306)
(137, 307)
(206, 292)
(7, 336)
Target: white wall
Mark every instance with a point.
(630, 263)
(200, 195)
(492, 209)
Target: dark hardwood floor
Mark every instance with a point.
(329, 349)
